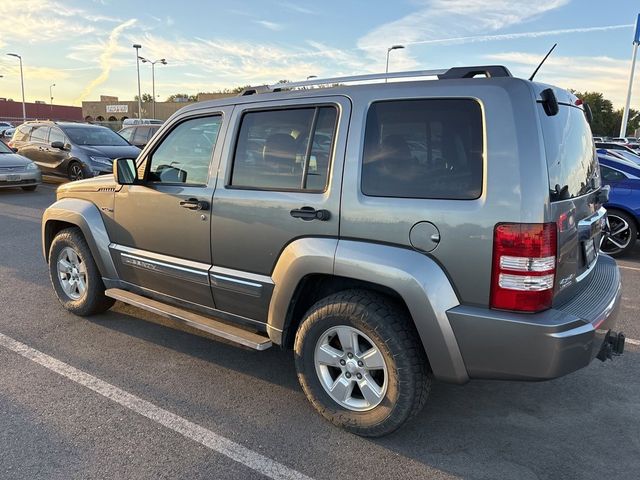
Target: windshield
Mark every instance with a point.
(98, 136)
(4, 148)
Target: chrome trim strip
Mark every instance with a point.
(250, 277)
(236, 285)
(157, 263)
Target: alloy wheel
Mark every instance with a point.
(351, 368)
(618, 235)
(72, 273)
(75, 172)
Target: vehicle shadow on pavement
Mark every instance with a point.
(494, 429)
(274, 365)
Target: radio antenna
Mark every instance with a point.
(543, 60)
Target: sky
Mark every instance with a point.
(85, 47)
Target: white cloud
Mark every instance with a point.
(297, 8)
(601, 74)
(276, 27)
(106, 59)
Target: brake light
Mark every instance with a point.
(524, 266)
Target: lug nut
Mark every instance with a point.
(350, 355)
(359, 375)
(360, 364)
(348, 375)
(343, 363)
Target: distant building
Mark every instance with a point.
(111, 109)
(11, 111)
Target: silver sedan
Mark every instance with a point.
(17, 171)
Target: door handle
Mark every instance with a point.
(194, 204)
(310, 213)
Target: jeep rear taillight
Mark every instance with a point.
(524, 266)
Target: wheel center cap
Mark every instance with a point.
(352, 366)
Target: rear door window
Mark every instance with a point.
(141, 136)
(285, 149)
(127, 133)
(22, 133)
(430, 148)
(40, 134)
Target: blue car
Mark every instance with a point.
(623, 207)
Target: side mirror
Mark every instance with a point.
(15, 149)
(58, 145)
(125, 171)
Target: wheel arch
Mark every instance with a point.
(70, 212)
(310, 269)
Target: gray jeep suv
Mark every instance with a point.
(390, 233)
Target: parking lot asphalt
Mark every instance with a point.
(137, 399)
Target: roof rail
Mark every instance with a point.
(489, 71)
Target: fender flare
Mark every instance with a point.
(86, 216)
(415, 277)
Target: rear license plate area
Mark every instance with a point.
(589, 251)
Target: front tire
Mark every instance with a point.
(75, 276)
(30, 188)
(75, 171)
(360, 362)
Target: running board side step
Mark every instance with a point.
(200, 322)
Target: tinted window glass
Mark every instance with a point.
(571, 157)
(56, 135)
(141, 136)
(22, 133)
(99, 136)
(127, 133)
(185, 154)
(274, 152)
(423, 149)
(40, 134)
(611, 175)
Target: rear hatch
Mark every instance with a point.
(574, 186)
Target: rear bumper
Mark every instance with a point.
(544, 345)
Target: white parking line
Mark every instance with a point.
(629, 268)
(209, 439)
(632, 341)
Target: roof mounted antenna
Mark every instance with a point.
(543, 60)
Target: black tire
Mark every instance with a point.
(93, 300)
(394, 335)
(75, 171)
(30, 188)
(627, 239)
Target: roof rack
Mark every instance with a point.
(488, 71)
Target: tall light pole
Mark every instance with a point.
(162, 61)
(625, 113)
(51, 92)
(392, 47)
(24, 109)
(138, 47)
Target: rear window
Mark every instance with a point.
(423, 149)
(22, 133)
(571, 156)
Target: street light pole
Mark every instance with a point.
(393, 47)
(625, 113)
(51, 92)
(162, 61)
(138, 47)
(24, 109)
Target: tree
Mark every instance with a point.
(146, 97)
(182, 97)
(606, 121)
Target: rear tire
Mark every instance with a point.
(30, 188)
(386, 357)
(75, 276)
(623, 236)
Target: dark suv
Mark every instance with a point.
(73, 150)
(139, 135)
